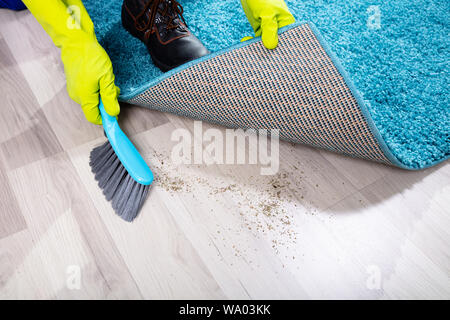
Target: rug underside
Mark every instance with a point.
(396, 74)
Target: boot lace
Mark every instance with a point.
(172, 10)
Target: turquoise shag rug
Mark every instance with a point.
(400, 68)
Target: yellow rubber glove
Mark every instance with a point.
(265, 17)
(87, 66)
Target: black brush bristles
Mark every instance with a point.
(126, 194)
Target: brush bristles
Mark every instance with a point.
(126, 194)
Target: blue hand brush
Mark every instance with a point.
(120, 170)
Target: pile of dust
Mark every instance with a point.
(266, 205)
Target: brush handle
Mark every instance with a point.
(127, 153)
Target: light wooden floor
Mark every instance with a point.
(325, 226)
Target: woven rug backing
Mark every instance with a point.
(295, 88)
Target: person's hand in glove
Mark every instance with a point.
(88, 69)
(266, 17)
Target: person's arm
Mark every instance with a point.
(88, 69)
(266, 17)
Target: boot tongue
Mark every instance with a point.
(170, 15)
(162, 21)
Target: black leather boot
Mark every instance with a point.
(161, 26)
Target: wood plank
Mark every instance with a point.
(421, 201)
(67, 120)
(359, 172)
(161, 259)
(392, 227)
(11, 219)
(135, 119)
(72, 129)
(35, 143)
(266, 223)
(64, 230)
(310, 178)
(37, 57)
(18, 103)
(204, 202)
